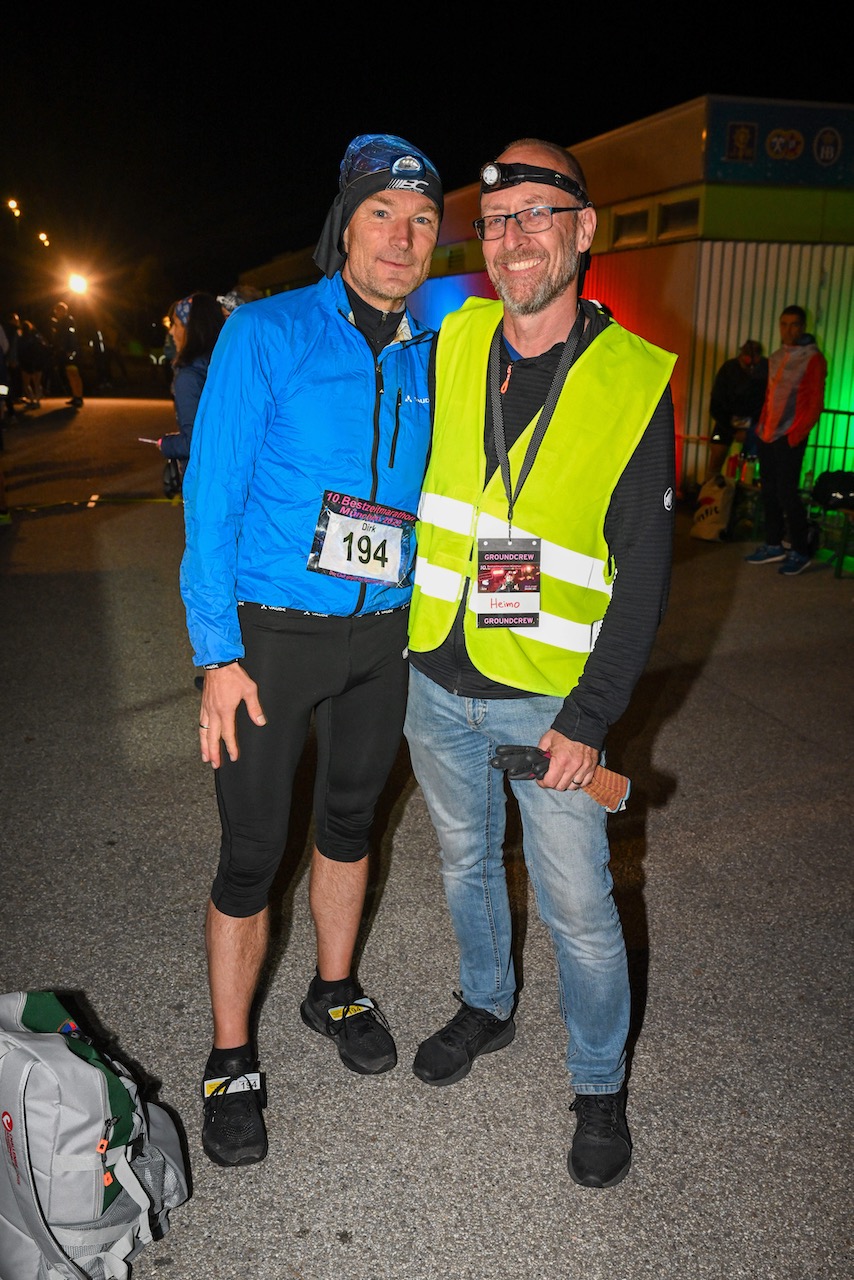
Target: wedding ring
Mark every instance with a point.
(204, 726)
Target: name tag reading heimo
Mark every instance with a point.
(363, 541)
(508, 582)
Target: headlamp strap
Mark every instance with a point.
(496, 176)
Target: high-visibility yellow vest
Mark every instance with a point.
(607, 400)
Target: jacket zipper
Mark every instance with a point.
(396, 428)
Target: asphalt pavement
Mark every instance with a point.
(732, 867)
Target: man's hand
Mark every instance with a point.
(225, 689)
(572, 763)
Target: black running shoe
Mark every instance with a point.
(233, 1131)
(601, 1149)
(357, 1026)
(448, 1055)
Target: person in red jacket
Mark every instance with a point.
(794, 400)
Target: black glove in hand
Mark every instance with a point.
(521, 762)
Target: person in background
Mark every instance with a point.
(571, 468)
(196, 325)
(794, 400)
(5, 513)
(170, 351)
(4, 382)
(65, 344)
(34, 354)
(107, 355)
(236, 297)
(11, 326)
(299, 502)
(738, 393)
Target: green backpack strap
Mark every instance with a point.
(42, 1011)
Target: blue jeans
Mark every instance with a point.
(451, 740)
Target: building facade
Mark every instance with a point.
(713, 216)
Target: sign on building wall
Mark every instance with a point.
(780, 143)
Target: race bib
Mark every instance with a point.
(363, 541)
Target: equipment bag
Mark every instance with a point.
(90, 1171)
(834, 490)
(714, 510)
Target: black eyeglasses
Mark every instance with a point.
(531, 221)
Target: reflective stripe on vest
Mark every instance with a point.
(558, 562)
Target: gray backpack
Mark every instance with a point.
(89, 1171)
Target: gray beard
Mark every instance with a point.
(551, 288)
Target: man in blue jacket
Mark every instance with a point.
(308, 454)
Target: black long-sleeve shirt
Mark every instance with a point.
(738, 392)
(639, 533)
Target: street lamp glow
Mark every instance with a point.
(78, 284)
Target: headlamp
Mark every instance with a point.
(408, 165)
(495, 176)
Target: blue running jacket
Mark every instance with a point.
(296, 405)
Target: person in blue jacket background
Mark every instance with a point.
(195, 324)
(309, 451)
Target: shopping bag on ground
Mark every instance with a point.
(714, 509)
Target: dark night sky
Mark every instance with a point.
(209, 147)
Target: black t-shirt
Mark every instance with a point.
(639, 533)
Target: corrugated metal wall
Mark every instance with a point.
(702, 299)
(741, 289)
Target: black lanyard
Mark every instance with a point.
(566, 359)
